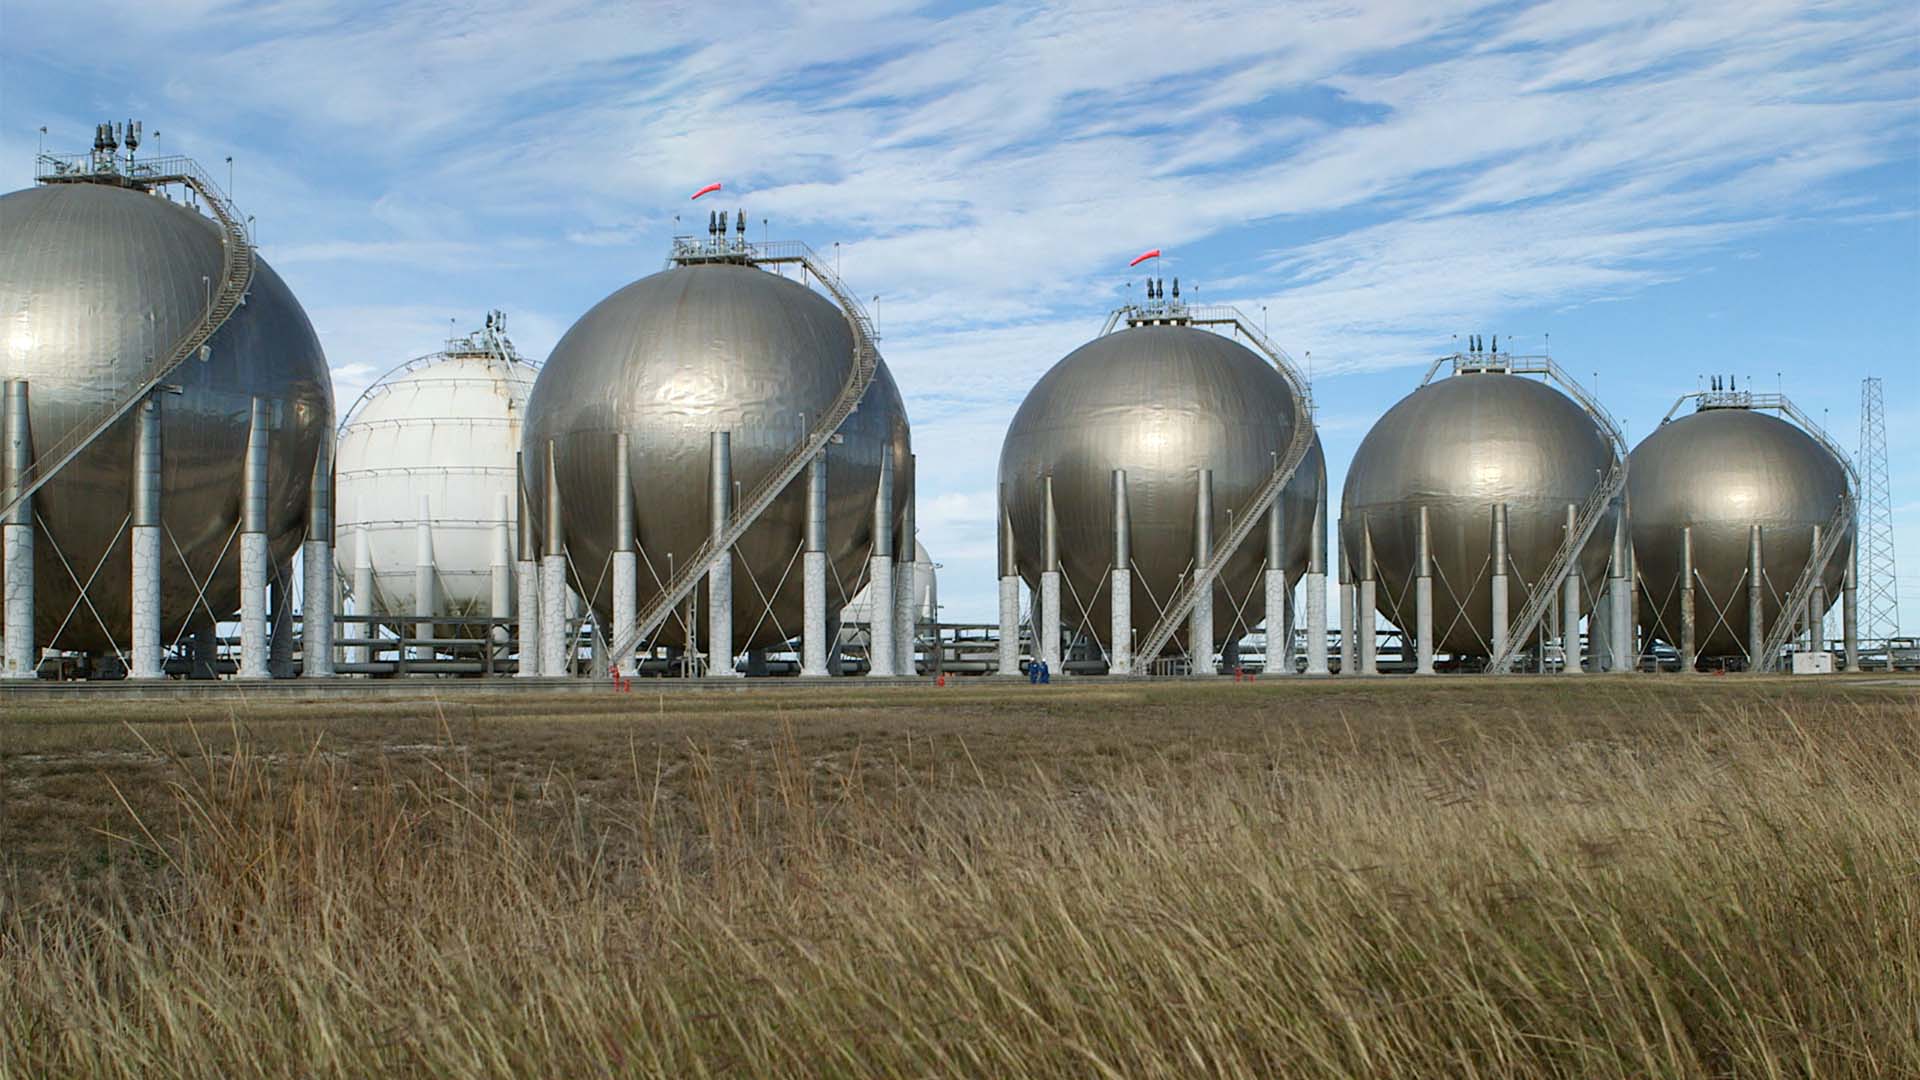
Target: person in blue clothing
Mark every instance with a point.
(1046, 673)
(1033, 672)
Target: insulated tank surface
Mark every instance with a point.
(1162, 403)
(95, 282)
(1459, 446)
(681, 354)
(443, 428)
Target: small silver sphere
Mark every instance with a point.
(1459, 446)
(1722, 471)
(1161, 402)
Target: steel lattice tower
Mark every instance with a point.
(1879, 594)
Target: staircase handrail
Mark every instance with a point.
(1180, 606)
(1837, 530)
(866, 361)
(1586, 519)
(236, 275)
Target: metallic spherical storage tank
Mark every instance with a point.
(1459, 447)
(95, 280)
(433, 444)
(1711, 476)
(1163, 403)
(672, 359)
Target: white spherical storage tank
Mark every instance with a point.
(432, 443)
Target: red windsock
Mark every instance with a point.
(708, 190)
(1154, 254)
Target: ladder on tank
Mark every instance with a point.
(1837, 531)
(1587, 518)
(1564, 562)
(236, 275)
(1180, 606)
(866, 361)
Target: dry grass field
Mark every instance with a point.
(1533, 877)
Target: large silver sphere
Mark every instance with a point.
(1161, 402)
(94, 282)
(1458, 447)
(1722, 471)
(674, 357)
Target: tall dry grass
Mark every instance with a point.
(1738, 896)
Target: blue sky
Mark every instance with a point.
(1665, 189)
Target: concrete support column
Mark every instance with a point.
(316, 560)
(1816, 614)
(1756, 594)
(1497, 580)
(1009, 666)
(1570, 603)
(1849, 605)
(720, 570)
(1317, 584)
(1423, 598)
(626, 560)
(22, 656)
(1200, 623)
(146, 559)
(1120, 603)
(500, 569)
(906, 590)
(1689, 625)
(556, 644)
(253, 547)
(1624, 654)
(362, 590)
(280, 621)
(526, 575)
(1279, 658)
(813, 620)
(426, 580)
(881, 651)
(1363, 615)
(1046, 645)
(1349, 637)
